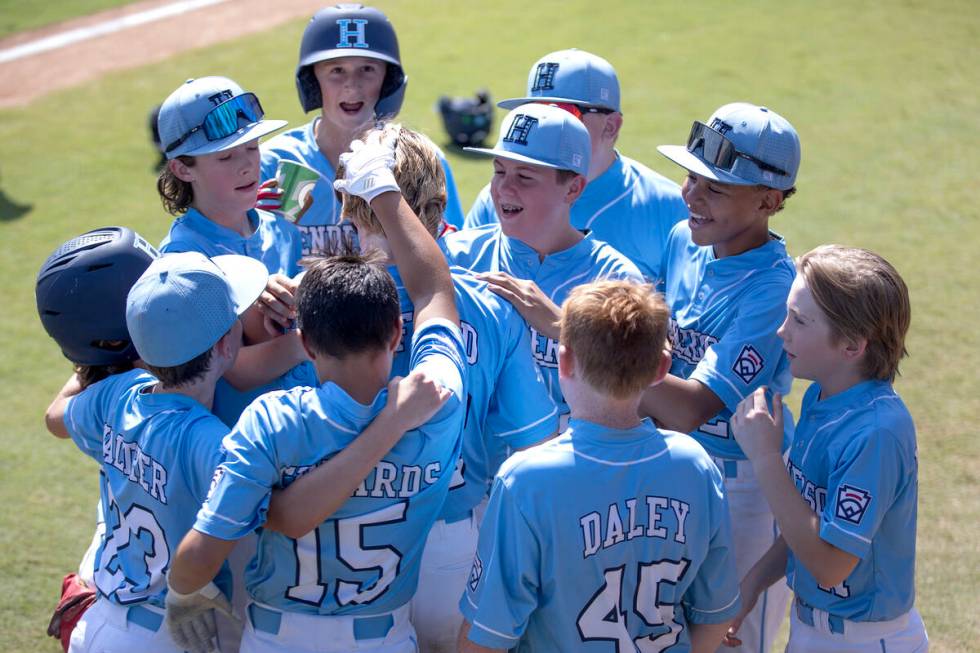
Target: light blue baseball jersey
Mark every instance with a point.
(487, 249)
(854, 461)
(157, 453)
(603, 540)
(321, 226)
(724, 313)
(364, 559)
(274, 241)
(507, 404)
(629, 206)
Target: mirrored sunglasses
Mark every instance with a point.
(223, 120)
(715, 149)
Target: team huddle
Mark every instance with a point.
(554, 424)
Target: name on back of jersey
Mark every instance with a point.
(649, 516)
(388, 480)
(138, 466)
(470, 337)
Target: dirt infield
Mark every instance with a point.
(33, 76)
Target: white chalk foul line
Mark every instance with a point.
(74, 36)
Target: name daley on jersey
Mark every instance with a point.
(650, 516)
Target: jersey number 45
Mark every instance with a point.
(603, 617)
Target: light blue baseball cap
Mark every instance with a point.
(542, 135)
(741, 144)
(574, 76)
(186, 129)
(182, 305)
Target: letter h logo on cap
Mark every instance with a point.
(357, 32)
(520, 129)
(544, 78)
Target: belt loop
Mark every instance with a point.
(836, 624)
(137, 614)
(265, 620)
(804, 613)
(731, 468)
(373, 627)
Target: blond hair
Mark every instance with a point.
(617, 331)
(863, 297)
(419, 174)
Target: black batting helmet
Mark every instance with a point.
(81, 294)
(467, 120)
(351, 30)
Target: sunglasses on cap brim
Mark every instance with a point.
(577, 110)
(715, 149)
(223, 120)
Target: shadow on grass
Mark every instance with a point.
(10, 209)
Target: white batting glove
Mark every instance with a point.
(190, 617)
(368, 167)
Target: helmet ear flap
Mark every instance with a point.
(309, 89)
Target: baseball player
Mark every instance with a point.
(350, 71)
(847, 532)
(346, 583)
(534, 256)
(81, 300)
(210, 128)
(625, 203)
(615, 535)
(156, 441)
(727, 277)
(508, 405)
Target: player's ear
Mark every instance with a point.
(396, 336)
(770, 200)
(180, 170)
(610, 130)
(306, 345)
(575, 189)
(566, 362)
(663, 367)
(855, 348)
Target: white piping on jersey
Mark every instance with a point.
(491, 630)
(572, 280)
(724, 378)
(337, 426)
(619, 464)
(610, 203)
(847, 532)
(527, 426)
(210, 513)
(775, 264)
(813, 438)
(721, 609)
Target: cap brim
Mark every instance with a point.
(243, 135)
(513, 156)
(513, 103)
(246, 276)
(679, 155)
(342, 53)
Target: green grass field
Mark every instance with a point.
(20, 15)
(885, 99)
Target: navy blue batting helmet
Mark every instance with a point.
(81, 294)
(351, 30)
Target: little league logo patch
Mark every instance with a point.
(748, 364)
(852, 503)
(476, 572)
